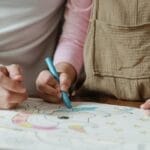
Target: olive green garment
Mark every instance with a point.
(117, 49)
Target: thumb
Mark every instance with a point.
(65, 82)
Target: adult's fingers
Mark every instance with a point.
(10, 99)
(8, 105)
(146, 105)
(15, 72)
(11, 85)
(3, 69)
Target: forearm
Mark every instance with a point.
(70, 47)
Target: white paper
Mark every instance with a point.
(88, 126)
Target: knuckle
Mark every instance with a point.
(14, 66)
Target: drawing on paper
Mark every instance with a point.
(86, 122)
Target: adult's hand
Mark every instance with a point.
(12, 90)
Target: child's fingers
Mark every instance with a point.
(46, 78)
(50, 98)
(67, 75)
(65, 82)
(146, 105)
(45, 83)
(15, 72)
(46, 89)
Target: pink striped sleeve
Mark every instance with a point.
(70, 47)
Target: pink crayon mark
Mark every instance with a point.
(44, 127)
(21, 119)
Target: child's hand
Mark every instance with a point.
(49, 89)
(146, 105)
(12, 91)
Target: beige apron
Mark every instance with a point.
(117, 49)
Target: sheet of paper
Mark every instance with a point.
(88, 126)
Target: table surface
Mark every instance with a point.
(41, 126)
(107, 100)
(85, 95)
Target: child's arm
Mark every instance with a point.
(70, 47)
(68, 58)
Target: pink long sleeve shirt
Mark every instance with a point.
(28, 32)
(70, 47)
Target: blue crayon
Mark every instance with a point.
(52, 69)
